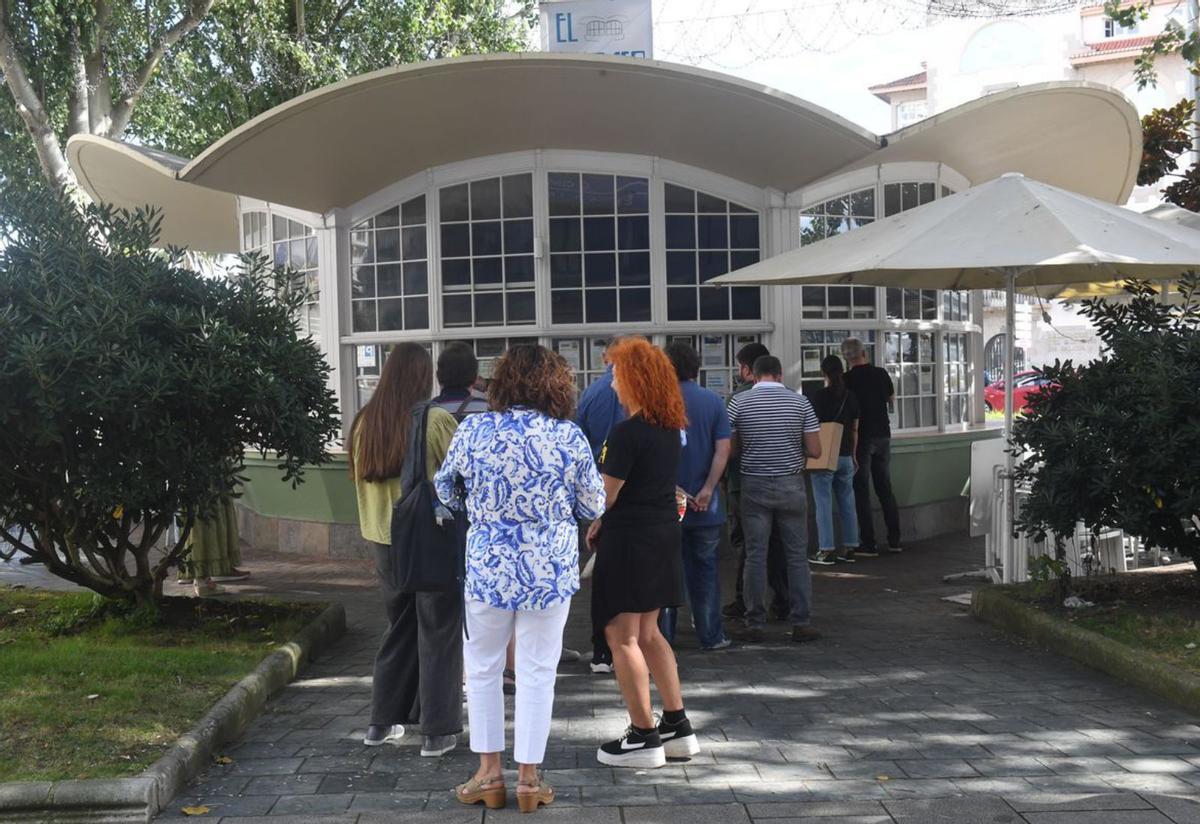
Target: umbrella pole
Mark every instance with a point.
(1008, 554)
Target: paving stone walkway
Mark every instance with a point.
(908, 710)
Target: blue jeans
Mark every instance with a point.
(779, 501)
(703, 586)
(838, 486)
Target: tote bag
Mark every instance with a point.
(428, 540)
(831, 444)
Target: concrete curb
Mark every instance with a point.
(139, 799)
(1133, 666)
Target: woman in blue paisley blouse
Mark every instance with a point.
(530, 478)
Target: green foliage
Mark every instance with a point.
(1166, 132)
(1115, 444)
(130, 387)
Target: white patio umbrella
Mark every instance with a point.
(1007, 233)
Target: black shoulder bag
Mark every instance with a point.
(427, 538)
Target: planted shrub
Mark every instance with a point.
(130, 388)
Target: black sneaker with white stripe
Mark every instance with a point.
(636, 748)
(678, 739)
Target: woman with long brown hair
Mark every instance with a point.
(530, 478)
(639, 565)
(418, 669)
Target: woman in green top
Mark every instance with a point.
(418, 669)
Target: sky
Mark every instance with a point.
(825, 51)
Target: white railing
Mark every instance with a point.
(1085, 554)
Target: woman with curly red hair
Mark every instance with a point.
(639, 566)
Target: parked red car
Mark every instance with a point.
(1024, 385)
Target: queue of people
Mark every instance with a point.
(632, 473)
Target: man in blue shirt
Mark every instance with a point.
(599, 410)
(701, 464)
(457, 372)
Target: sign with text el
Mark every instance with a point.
(620, 27)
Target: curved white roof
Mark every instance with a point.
(335, 146)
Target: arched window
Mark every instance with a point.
(709, 236)
(389, 275)
(599, 248)
(487, 261)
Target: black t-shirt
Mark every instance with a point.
(872, 386)
(827, 403)
(646, 457)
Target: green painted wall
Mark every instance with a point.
(925, 469)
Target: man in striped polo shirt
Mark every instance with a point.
(774, 430)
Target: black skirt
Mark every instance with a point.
(639, 568)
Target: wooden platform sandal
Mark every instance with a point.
(540, 795)
(491, 793)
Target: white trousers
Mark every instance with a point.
(539, 635)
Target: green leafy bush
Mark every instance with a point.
(130, 388)
(1117, 443)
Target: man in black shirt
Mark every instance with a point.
(874, 390)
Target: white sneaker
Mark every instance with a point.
(380, 734)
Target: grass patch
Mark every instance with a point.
(91, 688)
(1155, 611)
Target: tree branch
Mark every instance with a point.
(79, 96)
(32, 111)
(338, 15)
(123, 109)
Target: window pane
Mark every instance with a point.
(633, 232)
(633, 195)
(387, 244)
(713, 264)
(485, 199)
(862, 203)
(681, 267)
(566, 306)
(362, 282)
(416, 313)
(912, 304)
(364, 315)
(388, 218)
(485, 238)
(520, 307)
(518, 196)
(681, 232)
(679, 199)
(891, 199)
(489, 309)
(564, 234)
(456, 240)
(566, 270)
(708, 203)
(601, 305)
(600, 270)
(599, 234)
(416, 278)
(747, 302)
(743, 232)
(714, 303)
(598, 197)
(518, 237)
(739, 259)
(681, 303)
(518, 269)
(908, 196)
(487, 272)
(389, 280)
(412, 212)
(895, 298)
(564, 193)
(362, 248)
(634, 268)
(928, 191)
(455, 203)
(456, 273)
(391, 314)
(928, 304)
(712, 232)
(413, 243)
(635, 305)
